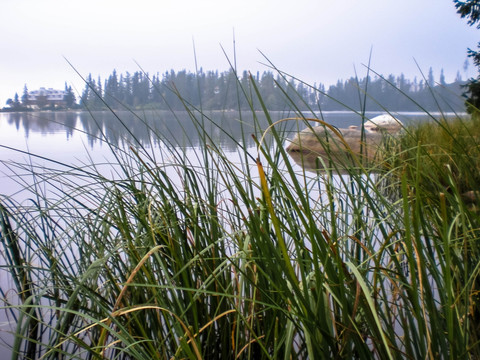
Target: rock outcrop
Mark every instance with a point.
(315, 148)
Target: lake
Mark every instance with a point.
(79, 138)
(82, 138)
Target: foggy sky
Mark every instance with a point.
(317, 41)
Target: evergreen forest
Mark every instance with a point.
(214, 90)
(229, 90)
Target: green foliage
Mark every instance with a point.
(435, 167)
(207, 256)
(441, 147)
(470, 9)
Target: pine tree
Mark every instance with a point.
(86, 91)
(16, 102)
(69, 97)
(470, 9)
(127, 89)
(431, 79)
(25, 96)
(99, 97)
(111, 90)
(442, 78)
(458, 78)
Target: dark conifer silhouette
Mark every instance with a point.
(213, 90)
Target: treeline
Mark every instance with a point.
(213, 90)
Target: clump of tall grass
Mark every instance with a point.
(437, 167)
(442, 151)
(220, 257)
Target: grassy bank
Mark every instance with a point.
(249, 257)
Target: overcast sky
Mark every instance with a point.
(317, 41)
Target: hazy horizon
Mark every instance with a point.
(316, 41)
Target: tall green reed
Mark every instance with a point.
(217, 258)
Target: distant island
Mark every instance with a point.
(213, 90)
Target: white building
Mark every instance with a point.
(43, 97)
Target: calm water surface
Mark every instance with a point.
(80, 138)
(77, 138)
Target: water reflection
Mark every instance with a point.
(179, 129)
(126, 128)
(44, 123)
